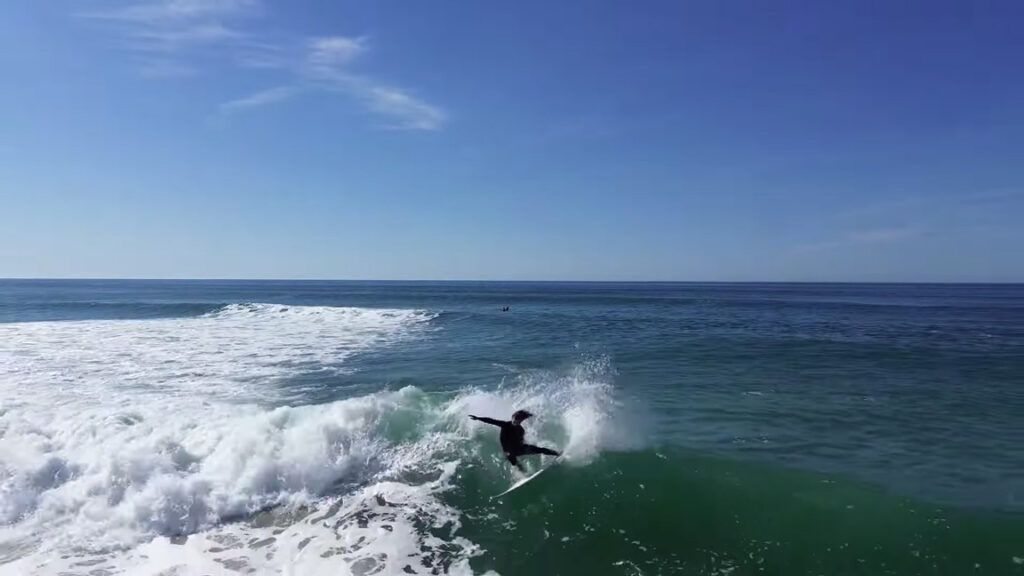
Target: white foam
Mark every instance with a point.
(116, 432)
(373, 531)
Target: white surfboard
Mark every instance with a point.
(528, 478)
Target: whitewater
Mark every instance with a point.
(183, 446)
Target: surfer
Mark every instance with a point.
(512, 437)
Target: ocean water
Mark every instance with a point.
(314, 428)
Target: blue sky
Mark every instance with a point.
(529, 140)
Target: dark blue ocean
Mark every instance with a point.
(191, 427)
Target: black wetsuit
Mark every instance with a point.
(512, 440)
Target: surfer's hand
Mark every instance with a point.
(471, 417)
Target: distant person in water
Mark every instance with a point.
(512, 438)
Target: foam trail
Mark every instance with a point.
(112, 432)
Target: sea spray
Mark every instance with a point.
(576, 410)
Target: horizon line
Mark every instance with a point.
(508, 281)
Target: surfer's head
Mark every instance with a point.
(520, 415)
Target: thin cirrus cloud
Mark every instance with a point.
(979, 213)
(261, 98)
(863, 238)
(173, 38)
(177, 10)
(326, 54)
(324, 64)
(169, 30)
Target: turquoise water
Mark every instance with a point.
(708, 428)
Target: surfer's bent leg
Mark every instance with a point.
(531, 449)
(512, 458)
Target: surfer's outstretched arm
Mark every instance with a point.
(491, 421)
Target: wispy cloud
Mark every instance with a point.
(935, 214)
(327, 65)
(173, 27)
(995, 195)
(407, 111)
(166, 69)
(882, 235)
(874, 236)
(327, 55)
(175, 10)
(174, 38)
(170, 40)
(261, 98)
(935, 203)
